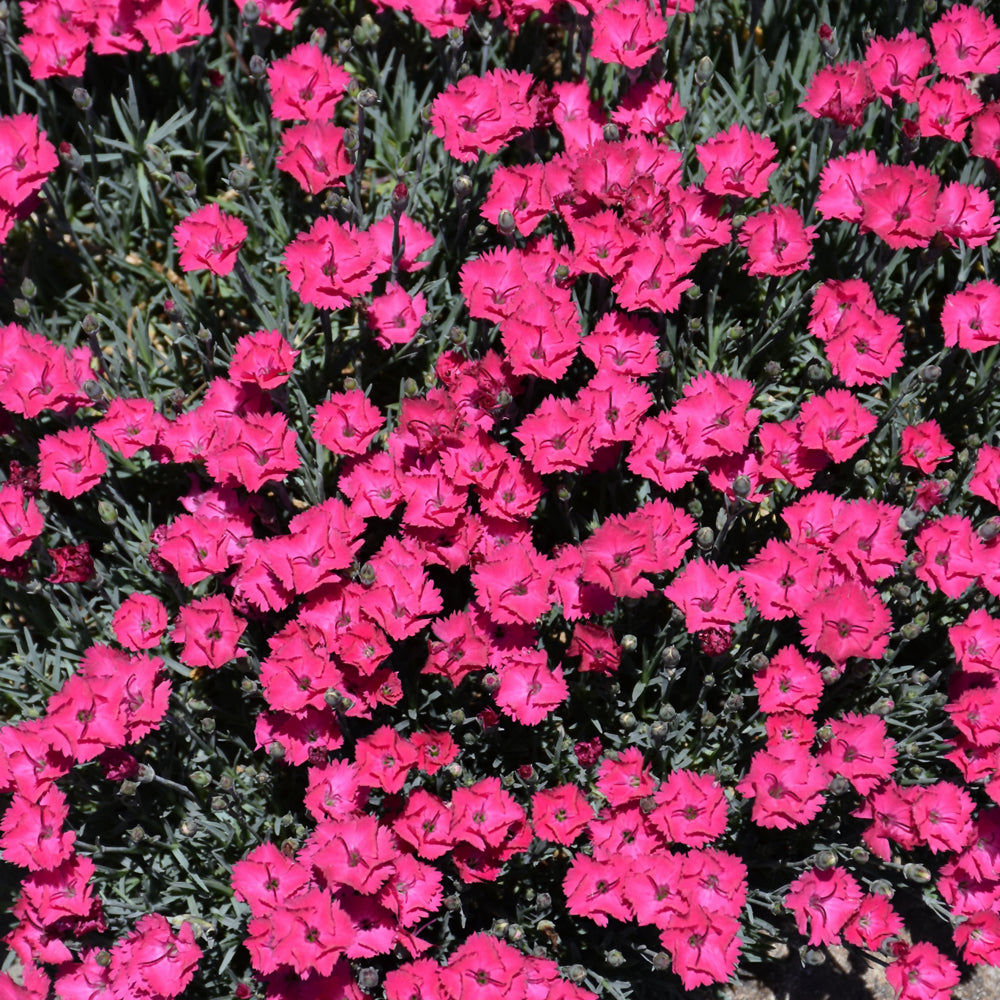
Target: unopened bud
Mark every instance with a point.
(742, 486)
(251, 13)
(239, 179)
(611, 133)
(506, 223)
(367, 98)
(704, 71)
(630, 643)
(82, 99)
(257, 67)
(917, 874)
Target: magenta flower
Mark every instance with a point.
(209, 240)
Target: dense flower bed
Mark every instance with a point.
(499, 499)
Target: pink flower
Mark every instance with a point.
(787, 790)
(26, 158)
(21, 522)
(691, 808)
(899, 205)
(707, 594)
(347, 423)
(530, 690)
(70, 462)
(129, 425)
(314, 154)
(945, 108)
(985, 481)
(789, 683)
(966, 213)
(835, 423)
(970, 317)
(849, 619)
(966, 42)
(627, 33)
(482, 114)
(841, 93)
(923, 446)
(209, 240)
(306, 85)
(860, 751)
(210, 631)
(560, 814)
(154, 961)
(823, 901)
(332, 263)
(951, 555)
(713, 417)
(140, 622)
(704, 945)
(894, 65)
(921, 972)
(173, 24)
(737, 162)
(596, 890)
(263, 358)
(395, 315)
(777, 242)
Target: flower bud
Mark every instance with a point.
(462, 186)
(629, 643)
(704, 71)
(670, 657)
(614, 958)
(627, 720)
(127, 789)
(930, 373)
(704, 539)
(772, 369)
(257, 67)
(826, 859)
(137, 835)
(611, 133)
(367, 98)
(742, 486)
(917, 874)
(69, 156)
(368, 979)
(102, 959)
(239, 179)
(708, 720)
(251, 14)
(506, 223)
(82, 99)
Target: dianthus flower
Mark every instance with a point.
(894, 65)
(966, 213)
(860, 751)
(482, 114)
(306, 85)
(210, 631)
(627, 32)
(26, 158)
(70, 462)
(899, 205)
(707, 594)
(737, 162)
(849, 619)
(787, 790)
(777, 242)
(596, 889)
(713, 417)
(530, 690)
(330, 264)
(921, 972)
(170, 25)
(951, 555)
(648, 108)
(841, 93)
(21, 522)
(835, 423)
(945, 108)
(966, 42)
(691, 808)
(970, 317)
(923, 446)
(789, 683)
(153, 961)
(823, 900)
(209, 240)
(395, 315)
(140, 622)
